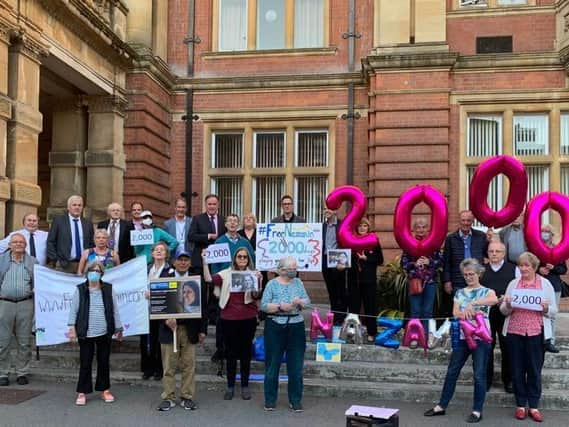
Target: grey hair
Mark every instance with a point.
(93, 264)
(472, 264)
(102, 231)
(284, 264)
(530, 258)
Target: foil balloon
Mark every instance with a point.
(532, 227)
(415, 334)
(402, 221)
(316, 325)
(455, 334)
(478, 190)
(385, 338)
(351, 331)
(480, 330)
(347, 236)
(438, 336)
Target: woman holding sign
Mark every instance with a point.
(529, 304)
(238, 316)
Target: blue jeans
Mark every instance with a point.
(479, 364)
(422, 304)
(278, 339)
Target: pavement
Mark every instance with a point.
(137, 407)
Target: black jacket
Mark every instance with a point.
(366, 271)
(82, 322)
(197, 236)
(126, 252)
(59, 239)
(555, 274)
(453, 255)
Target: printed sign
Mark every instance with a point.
(141, 237)
(339, 257)
(175, 298)
(529, 299)
(302, 241)
(244, 281)
(328, 352)
(217, 253)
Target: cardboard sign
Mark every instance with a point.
(141, 237)
(328, 352)
(175, 298)
(244, 281)
(529, 299)
(217, 253)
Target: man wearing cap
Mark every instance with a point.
(119, 232)
(158, 235)
(189, 332)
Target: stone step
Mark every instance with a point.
(420, 393)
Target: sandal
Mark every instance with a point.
(81, 399)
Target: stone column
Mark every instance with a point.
(67, 156)
(105, 159)
(5, 115)
(23, 129)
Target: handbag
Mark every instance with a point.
(415, 286)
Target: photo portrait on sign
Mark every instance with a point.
(244, 282)
(339, 257)
(189, 297)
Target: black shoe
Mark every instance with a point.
(4, 381)
(269, 407)
(146, 376)
(550, 347)
(472, 418)
(189, 405)
(216, 357)
(228, 395)
(432, 413)
(166, 405)
(22, 380)
(508, 388)
(157, 377)
(245, 394)
(296, 407)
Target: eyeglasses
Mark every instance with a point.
(286, 203)
(495, 251)
(242, 257)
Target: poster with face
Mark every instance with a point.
(339, 257)
(244, 281)
(175, 298)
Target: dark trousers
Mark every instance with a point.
(336, 285)
(238, 343)
(526, 356)
(87, 348)
(496, 326)
(150, 351)
(363, 291)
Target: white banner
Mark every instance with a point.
(530, 299)
(217, 253)
(142, 237)
(302, 241)
(54, 292)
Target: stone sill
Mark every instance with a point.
(268, 53)
(486, 11)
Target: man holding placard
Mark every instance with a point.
(234, 241)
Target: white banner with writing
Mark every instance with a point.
(54, 292)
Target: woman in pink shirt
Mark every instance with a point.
(529, 303)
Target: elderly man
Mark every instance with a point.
(119, 232)
(36, 240)
(463, 243)
(69, 236)
(16, 308)
(288, 215)
(179, 225)
(513, 238)
(499, 273)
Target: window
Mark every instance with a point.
(251, 169)
(530, 135)
(564, 149)
(271, 24)
(565, 179)
(473, 2)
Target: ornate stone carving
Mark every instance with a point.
(106, 104)
(23, 43)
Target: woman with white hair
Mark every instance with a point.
(283, 300)
(101, 252)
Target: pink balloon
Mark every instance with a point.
(316, 325)
(480, 330)
(478, 193)
(532, 226)
(415, 332)
(347, 236)
(402, 221)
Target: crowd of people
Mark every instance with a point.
(480, 270)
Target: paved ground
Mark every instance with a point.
(136, 407)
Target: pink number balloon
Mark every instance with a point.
(316, 325)
(415, 332)
(346, 233)
(480, 330)
(532, 226)
(402, 220)
(478, 193)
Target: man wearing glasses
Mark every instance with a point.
(288, 215)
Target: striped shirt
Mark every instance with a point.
(17, 282)
(97, 322)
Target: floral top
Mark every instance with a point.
(427, 273)
(276, 293)
(526, 322)
(465, 296)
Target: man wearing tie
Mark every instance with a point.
(36, 240)
(119, 232)
(68, 236)
(179, 226)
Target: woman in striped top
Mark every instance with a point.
(93, 320)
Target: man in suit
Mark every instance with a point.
(136, 209)
(69, 236)
(179, 225)
(119, 232)
(205, 229)
(288, 215)
(36, 240)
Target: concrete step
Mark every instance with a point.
(421, 393)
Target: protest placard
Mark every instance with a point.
(175, 298)
(339, 256)
(217, 253)
(141, 237)
(243, 281)
(529, 299)
(302, 241)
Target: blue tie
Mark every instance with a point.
(467, 253)
(77, 239)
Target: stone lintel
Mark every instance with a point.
(106, 104)
(69, 159)
(426, 55)
(25, 193)
(5, 107)
(27, 116)
(105, 158)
